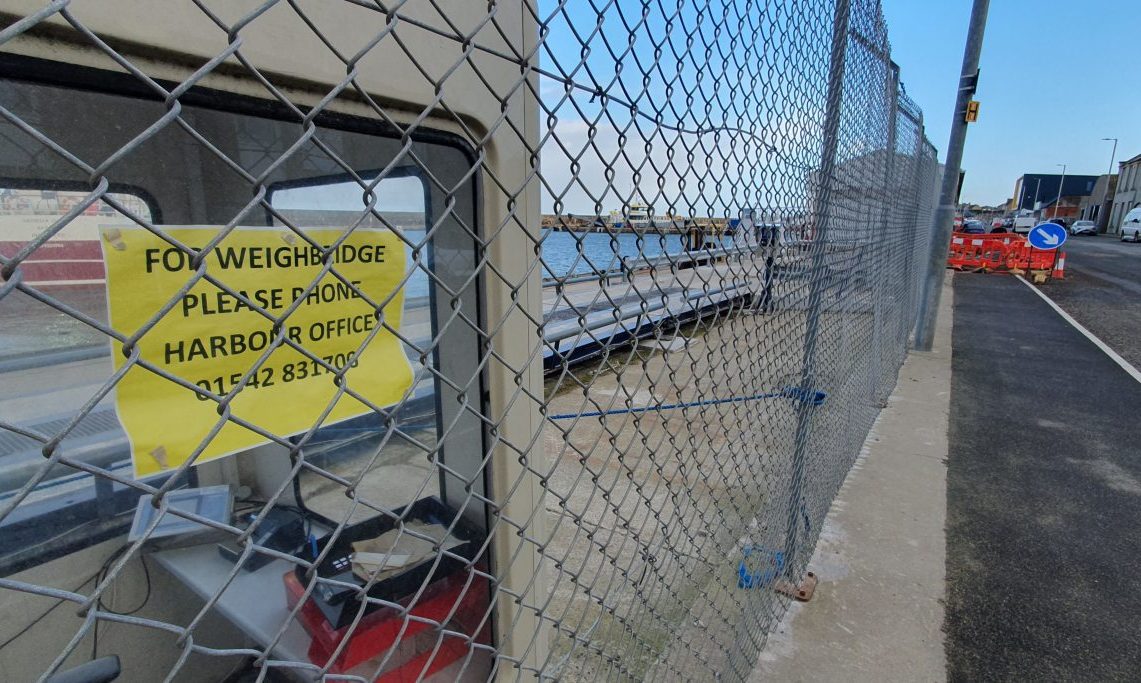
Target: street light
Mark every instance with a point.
(1060, 186)
(1103, 212)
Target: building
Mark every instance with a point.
(1066, 207)
(1036, 190)
(853, 180)
(1128, 194)
(1093, 206)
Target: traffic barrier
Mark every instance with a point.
(984, 253)
(1002, 252)
(1059, 267)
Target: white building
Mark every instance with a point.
(1128, 195)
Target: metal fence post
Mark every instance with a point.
(919, 174)
(943, 220)
(892, 91)
(822, 210)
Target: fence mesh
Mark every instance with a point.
(660, 261)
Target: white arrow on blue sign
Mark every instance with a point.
(1047, 236)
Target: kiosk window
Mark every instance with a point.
(388, 464)
(221, 169)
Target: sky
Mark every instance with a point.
(709, 107)
(1056, 76)
(392, 194)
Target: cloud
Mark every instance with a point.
(593, 166)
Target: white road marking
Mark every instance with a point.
(1113, 355)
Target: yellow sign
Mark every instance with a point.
(972, 111)
(214, 338)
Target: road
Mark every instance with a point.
(1044, 476)
(1102, 291)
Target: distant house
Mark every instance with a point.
(1034, 191)
(1068, 207)
(1128, 195)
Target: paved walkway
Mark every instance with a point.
(878, 610)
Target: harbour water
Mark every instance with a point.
(578, 253)
(575, 253)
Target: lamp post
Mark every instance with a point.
(1060, 186)
(1103, 212)
(943, 219)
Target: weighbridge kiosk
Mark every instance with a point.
(270, 327)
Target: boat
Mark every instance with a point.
(639, 217)
(72, 256)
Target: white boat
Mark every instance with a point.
(638, 217)
(72, 256)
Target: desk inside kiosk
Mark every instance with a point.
(414, 466)
(263, 601)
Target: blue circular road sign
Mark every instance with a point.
(1047, 236)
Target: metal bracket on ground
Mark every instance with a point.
(802, 592)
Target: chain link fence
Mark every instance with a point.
(439, 340)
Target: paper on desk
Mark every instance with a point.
(381, 560)
(394, 552)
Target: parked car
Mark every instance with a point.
(1083, 228)
(1131, 226)
(973, 227)
(1024, 223)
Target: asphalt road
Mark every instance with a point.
(1044, 478)
(1102, 290)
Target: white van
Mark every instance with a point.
(1131, 226)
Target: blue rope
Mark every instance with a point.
(771, 567)
(816, 398)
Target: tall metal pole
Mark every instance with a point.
(1038, 186)
(943, 221)
(822, 210)
(1060, 186)
(1103, 212)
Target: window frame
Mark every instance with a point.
(38, 548)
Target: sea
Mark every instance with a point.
(575, 253)
(578, 253)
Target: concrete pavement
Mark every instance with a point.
(878, 610)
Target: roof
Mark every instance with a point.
(1134, 160)
(1045, 186)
